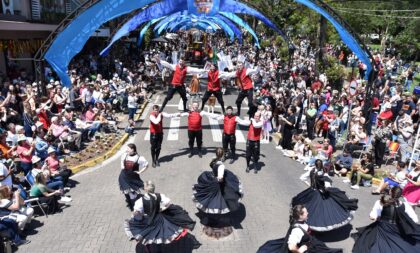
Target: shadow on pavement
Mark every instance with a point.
(184, 245)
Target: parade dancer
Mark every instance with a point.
(177, 84)
(298, 237)
(329, 207)
(155, 221)
(213, 86)
(229, 128)
(253, 142)
(217, 193)
(156, 132)
(195, 128)
(243, 76)
(394, 230)
(132, 165)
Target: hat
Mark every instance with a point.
(18, 128)
(34, 84)
(52, 81)
(39, 124)
(57, 83)
(22, 138)
(307, 141)
(54, 118)
(35, 159)
(51, 150)
(50, 86)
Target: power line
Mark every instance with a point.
(375, 15)
(365, 10)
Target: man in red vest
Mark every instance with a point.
(177, 84)
(195, 128)
(229, 128)
(243, 76)
(156, 132)
(213, 87)
(253, 142)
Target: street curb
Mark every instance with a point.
(112, 151)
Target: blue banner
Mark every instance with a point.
(157, 10)
(71, 40)
(344, 34)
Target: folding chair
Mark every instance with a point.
(365, 147)
(394, 149)
(30, 201)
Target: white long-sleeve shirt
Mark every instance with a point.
(164, 202)
(255, 123)
(249, 72)
(377, 210)
(202, 113)
(156, 120)
(190, 70)
(237, 119)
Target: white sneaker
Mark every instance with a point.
(65, 199)
(355, 187)
(279, 147)
(346, 181)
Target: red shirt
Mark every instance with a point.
(179, 75)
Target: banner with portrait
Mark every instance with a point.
(203, 7)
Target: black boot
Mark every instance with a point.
(232, 159)
(200, 153)
(191, 153)
(157, 158)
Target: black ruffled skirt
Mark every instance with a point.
(385, 237)
(165, 227)
(217, 200)
(280, 246)
(328, 210)
(214, 197)
(130, 182)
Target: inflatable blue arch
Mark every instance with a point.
(173, 15)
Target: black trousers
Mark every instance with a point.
(379, 152)
(241, 96)
(219, 96)
(195, 135)
(156, 145)
(171, 91)
(229, 140)
(252, 151)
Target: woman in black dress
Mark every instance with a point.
(288, 128)
(132, 165)
(329, 207)
(217, 193)
(394, 230)
(156, 221)
(298, 238)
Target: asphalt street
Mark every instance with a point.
(94, 221)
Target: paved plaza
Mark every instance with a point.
(94, 220)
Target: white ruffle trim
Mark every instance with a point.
(140, 239)
(335, 226)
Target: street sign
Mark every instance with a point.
(353, 88)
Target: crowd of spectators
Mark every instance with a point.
(316, 119)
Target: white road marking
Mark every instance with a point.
(173, 133)
(240, 138)
(146, 111)
(215, 130)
